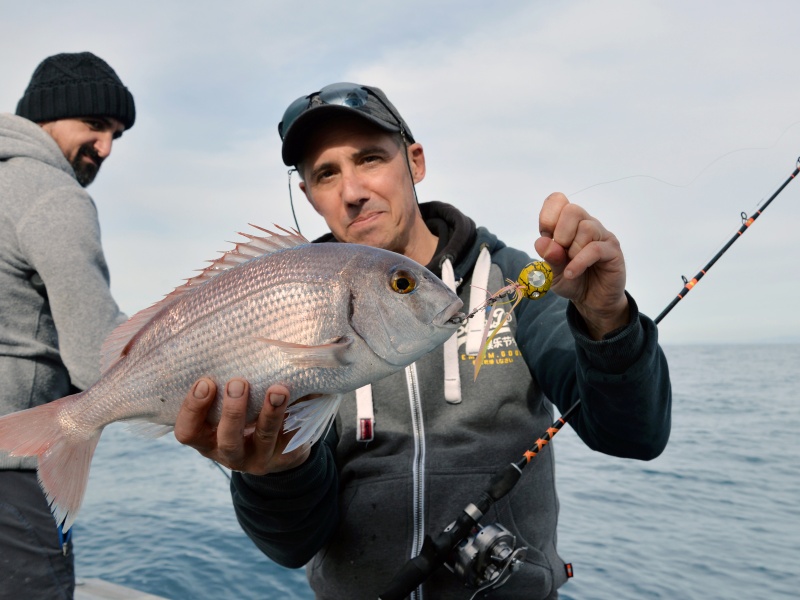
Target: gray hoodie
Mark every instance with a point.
(55, 304)
(356, 511)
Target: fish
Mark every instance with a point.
(321, 318)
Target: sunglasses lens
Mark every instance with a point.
(296, 108)
(343, 94)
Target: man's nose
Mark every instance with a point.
(103, 144)
(353, 189)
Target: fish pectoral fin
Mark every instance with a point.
(311, 419)
(329, 355)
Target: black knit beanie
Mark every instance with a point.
(65, 86)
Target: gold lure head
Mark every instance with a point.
(535, 279)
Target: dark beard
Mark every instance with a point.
(85, 172)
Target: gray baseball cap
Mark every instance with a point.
(307, 112)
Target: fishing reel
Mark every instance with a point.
(483, 556)
(486, 558)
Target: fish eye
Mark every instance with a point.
(403, 282)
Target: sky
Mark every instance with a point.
(666, 120)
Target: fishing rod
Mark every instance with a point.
(746, 223)
(487, 563)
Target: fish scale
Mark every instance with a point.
(321, 319)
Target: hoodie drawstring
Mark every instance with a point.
(365, 414)
(475, 326)
(452, 379)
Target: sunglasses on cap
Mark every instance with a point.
(349, 95)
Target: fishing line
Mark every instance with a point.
(435, 552)
(291, 200)
(221, 468)
(696, 177)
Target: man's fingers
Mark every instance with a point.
(269, 439)
(559, 224)
(592, 252)
(230, 431)
(553, 253)
(277, 395)
(191, 427)
(572, 221)
(270, 420)
(234, 404)
(550, 212)
(567, 231)
(258, 452)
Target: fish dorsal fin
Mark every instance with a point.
(120, 341)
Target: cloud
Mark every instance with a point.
(669, 119)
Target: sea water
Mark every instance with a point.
(716, 516)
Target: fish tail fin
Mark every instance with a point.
(64, 461)
(311, 418)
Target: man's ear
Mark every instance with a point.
(416, 158)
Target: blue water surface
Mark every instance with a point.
(717, 516)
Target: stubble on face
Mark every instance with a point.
(86, 170)
(360, 180)
(370, 208)
(78, 140)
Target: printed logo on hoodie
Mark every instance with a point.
(502, 349)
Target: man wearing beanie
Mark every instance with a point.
(56, 308)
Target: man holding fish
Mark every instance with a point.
(55, 304)
(408, 452)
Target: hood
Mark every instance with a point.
(21, 138)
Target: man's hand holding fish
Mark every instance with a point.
(251, 448)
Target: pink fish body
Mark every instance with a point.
(319, 318)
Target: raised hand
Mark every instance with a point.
(587, 261)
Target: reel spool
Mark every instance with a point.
(487, 558)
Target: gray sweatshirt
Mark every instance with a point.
(55, 304)
(355, 512)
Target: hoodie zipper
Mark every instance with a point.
(418, 467)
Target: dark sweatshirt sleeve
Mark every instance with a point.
(622, 380)
(290, 515)
(624, 387)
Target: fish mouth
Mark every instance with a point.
(450, 316)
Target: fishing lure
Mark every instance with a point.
(533, 282)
